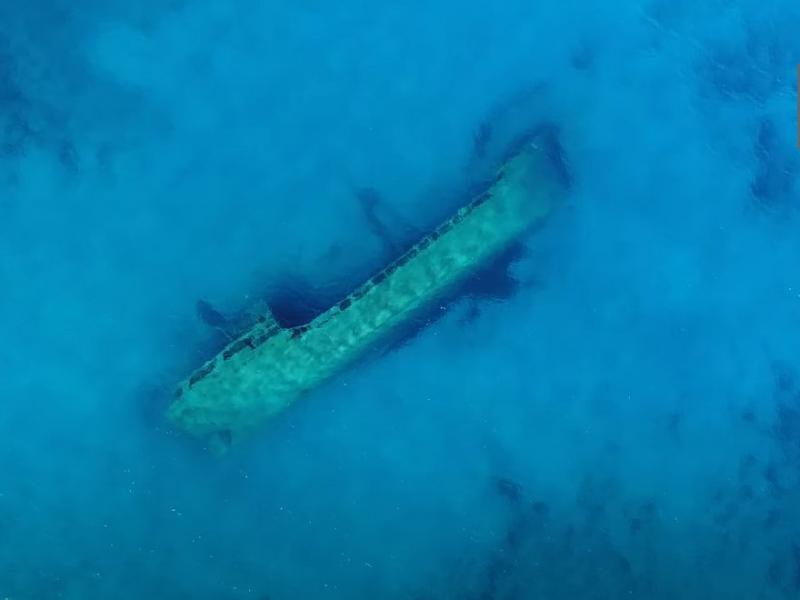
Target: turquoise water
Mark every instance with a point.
(616, 415)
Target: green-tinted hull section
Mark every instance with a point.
(267, 368)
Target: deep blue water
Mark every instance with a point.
(622, 422)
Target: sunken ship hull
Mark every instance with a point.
(268, 367)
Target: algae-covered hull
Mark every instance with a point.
(268, 367)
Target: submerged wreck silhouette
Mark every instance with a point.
(266, 368)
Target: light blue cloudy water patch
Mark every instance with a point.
(627, 424)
